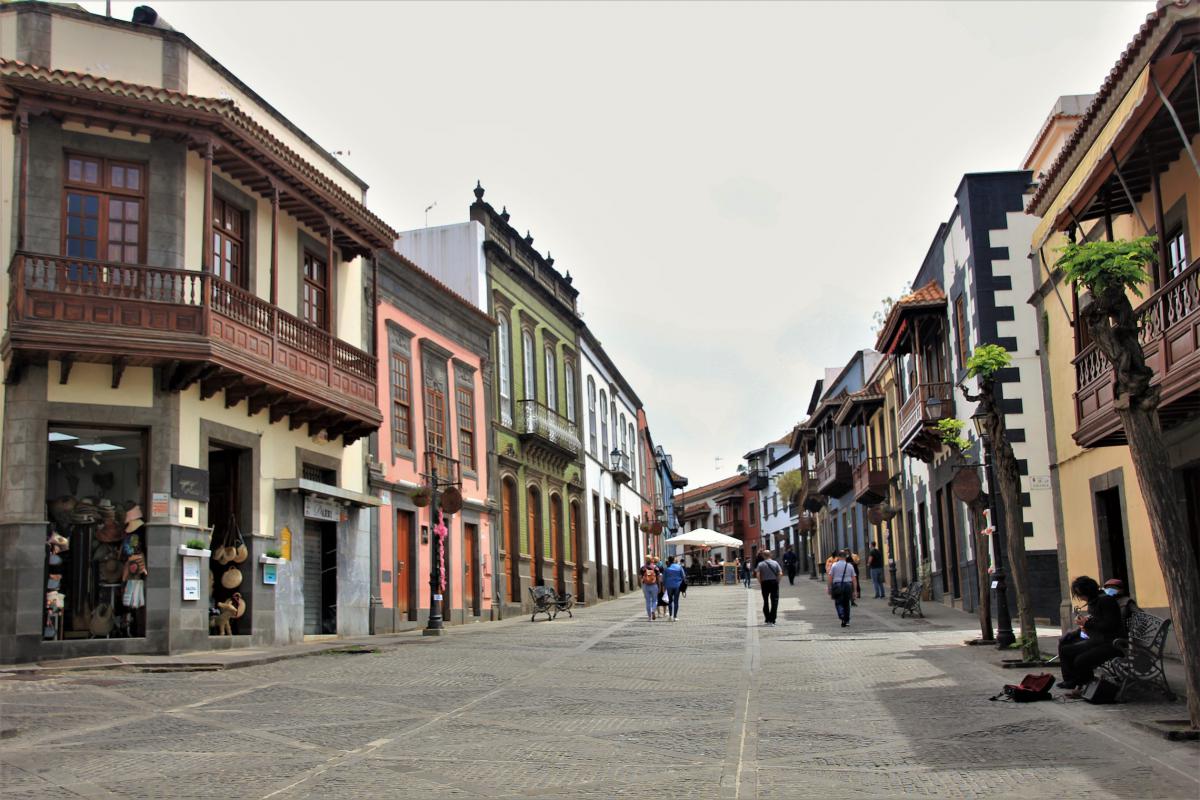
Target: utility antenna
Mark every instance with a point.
(717, 463)
(427, 210)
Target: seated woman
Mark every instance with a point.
(1079, 656)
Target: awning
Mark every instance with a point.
(325, 490)
(1117, 138)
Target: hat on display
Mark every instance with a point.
(110, 531)
(1114, 582)
(133, 525)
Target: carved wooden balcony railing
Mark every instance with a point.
(870, 480)
(540, 424)
(757, 479)
(1169, 331)
(834, 477)
(928, 403)
(200, 326)
(732, 527)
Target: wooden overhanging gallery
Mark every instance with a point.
(193, 322)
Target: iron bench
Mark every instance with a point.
(549, 602)
(1141, 662)
(908, 601)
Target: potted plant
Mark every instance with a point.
(422, 497)
(272, 556)
(195, 548)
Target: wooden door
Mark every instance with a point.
(508, 519)
(533, 503)
(556, 541)
(470, 569)
(403, 553)
(577, 550)
(597, 550)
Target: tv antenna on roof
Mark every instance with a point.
(717, 463)
(427, 209)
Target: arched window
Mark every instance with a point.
(633, 456)
(603, 427)
(612, 411)
(502, 355)
(591, 401)
(530, 387)
(624, 448)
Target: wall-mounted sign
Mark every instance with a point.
(285, 542)
(270, 574)
(160, 504)
(189, 483)
(322, 509)
(191, 577)
(1039, 481)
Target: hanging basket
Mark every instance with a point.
(875, 515)
(656, 527)
(231, 578)
(422, 497)
(452, 500)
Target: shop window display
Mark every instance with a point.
(96, 541)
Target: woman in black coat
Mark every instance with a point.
(1102, 624)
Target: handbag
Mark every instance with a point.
(101, 623)
(1100, 692)
(231, 578)
(1033, 687)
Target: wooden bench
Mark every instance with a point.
(1141, 662)
(909, 601)
(549, 602)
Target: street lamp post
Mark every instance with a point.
(437, 544)
(1004, 631)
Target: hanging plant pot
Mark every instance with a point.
(422, 497)
(452, 500)
(644, 527)
(656, 527)
(875, 515)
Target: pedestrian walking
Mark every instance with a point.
(744, 568)
(790, 563)
(650, 585)
(768, 571)
(857, 586)
(875, 569)
(843, 579)
(674, 580)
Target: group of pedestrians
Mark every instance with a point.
(661, 581)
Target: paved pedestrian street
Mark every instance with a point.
(599, 706)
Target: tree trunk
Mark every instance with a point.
(1113, 326)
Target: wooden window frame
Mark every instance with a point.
(396, 358)
(466, 425)
(960, 330)
(221, 231)
(105, 191)
(433, 391)
(326, 322)
(550, 362)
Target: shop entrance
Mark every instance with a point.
(320, 578)
(533, 502)
(470, 569)
(227, 516)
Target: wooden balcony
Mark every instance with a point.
(870, 480)
(927, 404)
(544, 428)
(834, 476)
(732, 527)
(618, 465)
(199, 329)
(1169, 330)
(757, 479)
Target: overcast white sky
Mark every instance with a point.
(734, 187)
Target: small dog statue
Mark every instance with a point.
(228, 610)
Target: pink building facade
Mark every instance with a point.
(434, 395)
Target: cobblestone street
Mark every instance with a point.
(603, 705)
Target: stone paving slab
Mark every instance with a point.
(603, 705)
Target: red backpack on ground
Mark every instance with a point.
(1031, 689)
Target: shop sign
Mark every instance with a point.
(321, 508)
(191, 577)
(285, 542)
(270, 574)
(160, 504)
(1039, 481)
(189, 483)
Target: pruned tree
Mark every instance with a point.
(984, 363)
(885, 306)
(1110, 272)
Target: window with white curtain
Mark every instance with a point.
(502, 354)
(569, 388)
(603, 426)
(551, 381)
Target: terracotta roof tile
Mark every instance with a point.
(928, 296)
(713, 488)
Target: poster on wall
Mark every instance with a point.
(191, 578)
(322, 509)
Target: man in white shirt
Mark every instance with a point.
(843, 580)
(768, 572)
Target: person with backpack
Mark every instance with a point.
(768, 571)
(790, 562)
(875, 569)
(843, 579)
(674, 580)
(649, 578)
